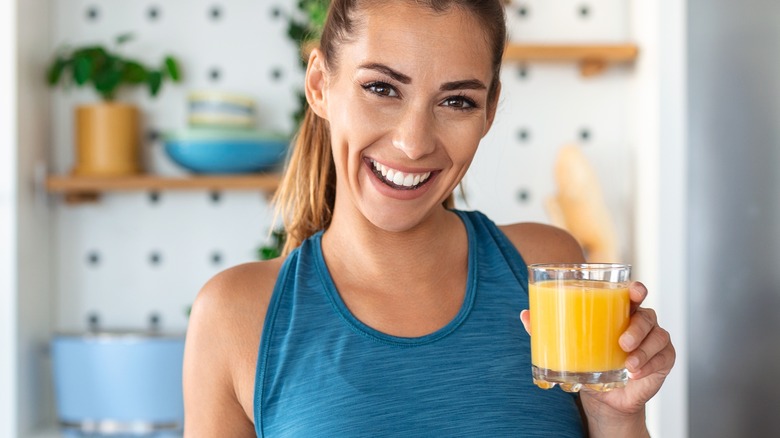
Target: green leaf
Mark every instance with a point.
(107, 71)
(317, 11)
(87, 62)
(134, 73)
(93, 53)
(154, 79)
(172, 68)
(268, 253)
(106, 83)
(55, 71)
(82, 70)
(297, 31)
(125, 37)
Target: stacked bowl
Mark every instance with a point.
(222, 138)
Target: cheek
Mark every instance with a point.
(356, 124)
(462, 139)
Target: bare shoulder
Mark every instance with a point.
(234, 301)
(541, 243)
(239, 287)
(220, 356)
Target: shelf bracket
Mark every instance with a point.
(75, 198)
(592, 67)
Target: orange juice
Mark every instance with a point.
(575, 325)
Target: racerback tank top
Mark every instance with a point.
(323, 373)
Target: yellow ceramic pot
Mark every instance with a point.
(107, 140)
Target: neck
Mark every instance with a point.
(352, 241)
(407, 283)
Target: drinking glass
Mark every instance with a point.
(578, 312)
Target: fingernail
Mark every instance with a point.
(632, 363)
(626, 341)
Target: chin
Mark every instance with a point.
(397, 219)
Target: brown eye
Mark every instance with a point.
(459, 102)
(381, 89)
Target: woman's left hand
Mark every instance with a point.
(650, 359)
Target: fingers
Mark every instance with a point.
(650, 345)
(642, 322)
(637, 292)
(660, 363)
(525, 317)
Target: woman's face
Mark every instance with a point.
(407, 104)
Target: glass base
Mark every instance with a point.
(573, 382)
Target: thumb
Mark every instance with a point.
(525, 317)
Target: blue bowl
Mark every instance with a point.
(226, 152)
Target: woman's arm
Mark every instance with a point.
(221, 351)
(620, 412)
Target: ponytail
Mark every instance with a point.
(307, 193)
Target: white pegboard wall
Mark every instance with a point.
(567, 21)
(133, 254)
(545, 106)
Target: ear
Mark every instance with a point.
(491, 109)
(315, 84)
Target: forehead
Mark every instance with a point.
(407, 35)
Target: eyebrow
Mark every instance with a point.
(400, 77)
(468, 84)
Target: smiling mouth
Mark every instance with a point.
(397, 179)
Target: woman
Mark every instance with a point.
(392, 315)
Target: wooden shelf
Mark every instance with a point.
(593, 58)
(88, 188)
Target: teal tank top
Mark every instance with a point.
(323, 373)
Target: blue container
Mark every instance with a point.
(226, 151)
(119, 384)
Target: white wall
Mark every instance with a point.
(660, 130)
(8, 316)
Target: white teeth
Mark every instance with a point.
(400, 178)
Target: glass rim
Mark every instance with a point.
(579, 266)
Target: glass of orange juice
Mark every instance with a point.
(578, 312)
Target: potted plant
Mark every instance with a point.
(108, 132)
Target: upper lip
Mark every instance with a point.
(400, 168)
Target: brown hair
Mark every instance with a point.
(307, 193)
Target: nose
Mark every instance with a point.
(415, 132)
